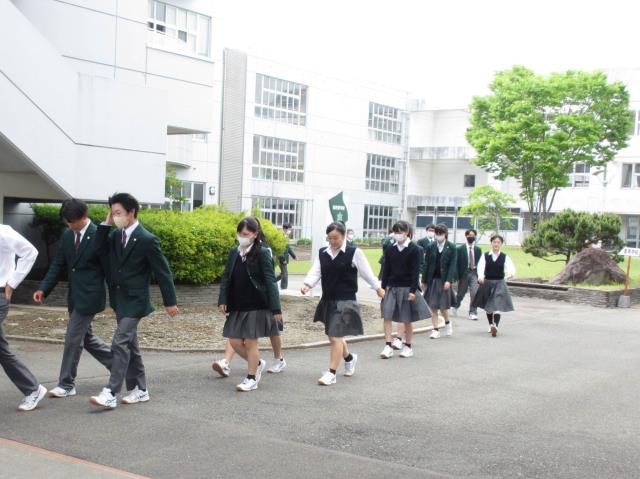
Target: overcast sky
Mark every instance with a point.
(443, 51)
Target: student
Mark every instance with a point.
(386, 242)
(429, 238)
(400, 280)
(469, 255)
(493, 294)
(438, 274)
(283, 260)
(337, 267)
(12, 272)
(249, 297)
(79, 257)
(351, 236)
(134, 255)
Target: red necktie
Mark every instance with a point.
(124, 239)
(77, 243)
(471, 265)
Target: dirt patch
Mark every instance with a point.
(197, 327)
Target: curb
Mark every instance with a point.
(303, 346)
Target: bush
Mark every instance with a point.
(304, 242)
(195, 243)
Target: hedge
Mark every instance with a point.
(195, 243)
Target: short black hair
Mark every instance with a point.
(128, 202)
(401, 227)
(337, 226)
(496, 236)
(430, 226)
(442, 228)
(286, 226)
(73, 210)
(466, 233)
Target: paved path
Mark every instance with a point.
(554, 396)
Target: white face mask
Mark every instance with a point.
(399, 237)
(349, 237)
(439, 238)
(121, 221)
(430, 234)
(244, 241)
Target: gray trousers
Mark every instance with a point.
(283, 277)
(127, 360)
(469, 281)
(80, 336)
(24, 380)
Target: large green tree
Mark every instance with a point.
(535, 129)
(565, 234)
(489, 209)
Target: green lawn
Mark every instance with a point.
(527, 266)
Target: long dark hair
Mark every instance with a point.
(252, 224)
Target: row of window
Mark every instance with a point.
(179, 28)
(286, 101)
(581, 174)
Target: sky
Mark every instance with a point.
(443, 51)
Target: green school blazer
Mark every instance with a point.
(448, 262)
(261, 274)
(463, 258)
(130, 273)
(85, 271)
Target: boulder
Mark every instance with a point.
(591, 266)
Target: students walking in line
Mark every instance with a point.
(493, 295)
(438, 274)
(134, 255)
(469, 255)
(337, 267)
(283, 260)
(402, 302)
(12, 272)
(250, 299)
(79, 256)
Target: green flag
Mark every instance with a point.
(338, 208)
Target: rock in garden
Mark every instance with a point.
(591, 266)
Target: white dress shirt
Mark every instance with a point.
(359, 261)
(509, 267)
(129, 232)
(82, 232)
(13, 244)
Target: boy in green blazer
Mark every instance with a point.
(469, 255)
(79, 255)
(134, 254)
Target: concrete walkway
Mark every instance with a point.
(555, 395)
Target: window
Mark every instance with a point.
(277, 159)
(579, 177)
(464, 223)
(192, 194)
(636, 123)
(179, 28)
(446, 220)
(423, 220)
(201, 137)
(377, 221)
(385, 123)
(631, 175)
(633, 232)
(510, 224)
(281, 100)
(469, 181)
(280, 211)
(382, 173)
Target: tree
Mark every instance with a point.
(535, 129)
(46, 218)
(173, 189)
(565, 233)
(489, 209)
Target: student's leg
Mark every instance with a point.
(496, 318)
(238, 345)
(253, 354)
(125, 334)
(97, 347)
(338, 346)
(434, 319)
(388, 330)
(445, 315)
(473, 288)
(408, 331)
(228, 352)
(135, 373)
(284, 281)
(463, 286)
(401, 331)
(276, 345)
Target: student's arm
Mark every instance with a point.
(291, 253)
(26, 254)
(453, 267)
(510, 268)
(313, 276)
(58, 265)
(162, 273)
(385, 269)
(481, 269)
(425, 267)
(364, 269)
(224, 285)
(415, 271)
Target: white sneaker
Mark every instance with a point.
(490, 328)
(222, 367)
(261, 366)
(350, 366)
(396, 344)
(247, 385)
(31, 401)
(387, 352)
(59, 392)
(434, 334)
(327, 379)
(277, 365)
(135, 396)
(407, 352)
(448, 328)
(473, 316)
(104, 399)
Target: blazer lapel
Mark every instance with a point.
(131, 243)
(85, 241)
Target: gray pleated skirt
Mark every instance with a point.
(396, 306)
(437, 297)
(493, 296)
(340, 318)
(250, 325)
